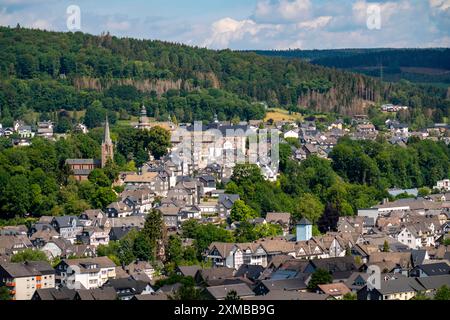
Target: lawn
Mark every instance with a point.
(282, 115)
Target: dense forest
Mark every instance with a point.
(49, 71)
(415, 65)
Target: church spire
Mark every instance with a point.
(107, 145)
(107, 136)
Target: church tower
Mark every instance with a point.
(107, 146)
(143, 119)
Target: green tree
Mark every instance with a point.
(95, 115)
(232, 296)
(310, 207)
(154, 231)
(4, 294)
(99, 178)
(423, 192)
(102, 197)
(29, 255)
(158, 142)
(443, 293)
(420, 296)
(350, 296)
(187, 292)
(241, 212)
(175, 249)
(142, 248)
(386, 246)
(320, 276)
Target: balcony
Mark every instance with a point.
(12, 292)
(10, 284)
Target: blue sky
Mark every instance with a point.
(250, 24)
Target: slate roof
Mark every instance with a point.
(55, 294)
(401, 284)
(227, 200)
(27, 269)
(188, 271)
(66, 221)
(83, 161)
(285, 284)
(338, 264)
(105, 293)
(434, 282)
(435, 269)
(153, 296)
(136, 286)
(220, 292)
(251, 272)
(304, 221)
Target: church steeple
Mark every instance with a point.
(107, 136)
(107, 145)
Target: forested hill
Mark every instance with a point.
(49, 71)
(418, 65)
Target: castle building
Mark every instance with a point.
(81, 168)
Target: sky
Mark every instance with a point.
(248, 24)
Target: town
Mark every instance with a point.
(208, 242)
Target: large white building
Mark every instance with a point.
(88, 273)
(443, 185)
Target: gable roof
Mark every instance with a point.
(105, 293)
(251, 272)
(188, 271)
(277, 217)
(221, 292)
(435, 269)
(434, 282)
(213, 274)
(285, 284)
(27, 269)
(334, 289)
(398, 285)
(55, 294)
(337, 264)
(136, 286)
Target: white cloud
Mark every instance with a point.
(440, 4)
(226, 30)
(29, 19)
(319, 22)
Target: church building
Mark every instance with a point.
(81, 168)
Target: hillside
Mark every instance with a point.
(417, 65)
(48, 71)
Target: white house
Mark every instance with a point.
(89, 273)
(409, 236)
(291, 134)
(443, 185)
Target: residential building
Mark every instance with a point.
(87, 273)
(23, 279)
